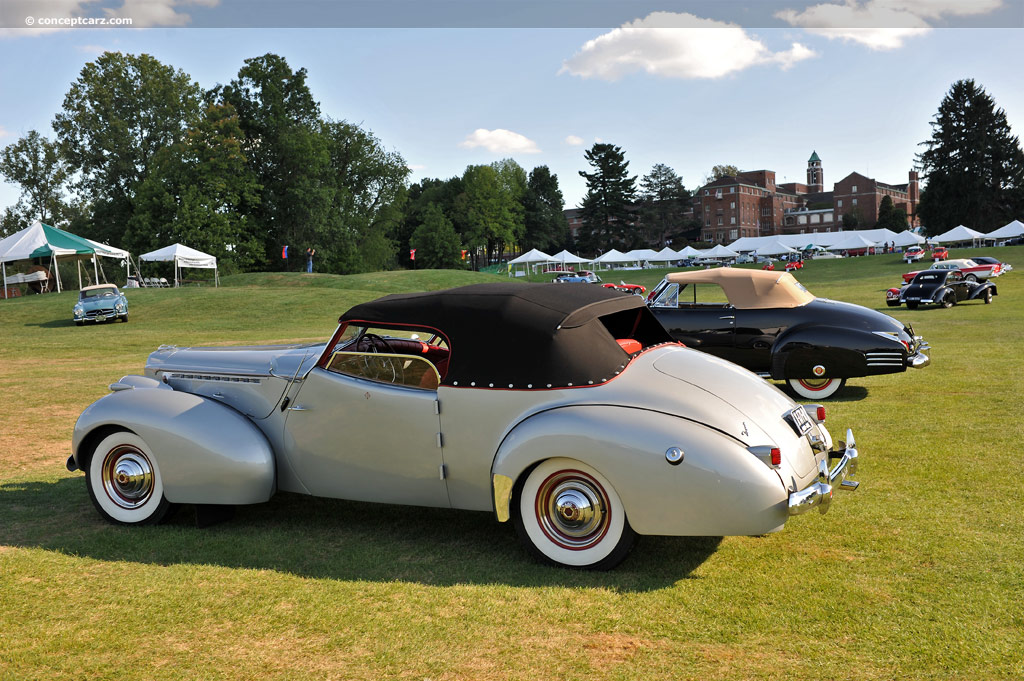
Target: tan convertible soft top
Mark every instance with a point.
(750, 289)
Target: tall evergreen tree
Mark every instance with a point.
(544, 219)
(973, 164)
(435, 241)
(891, 217)
(607, 221)
(663, 201)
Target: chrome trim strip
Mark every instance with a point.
(819, 494)
(206, 376)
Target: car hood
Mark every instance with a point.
(99, 303)
(251, 379)
(282, 361)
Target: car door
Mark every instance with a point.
(357, 431)
(709, 327)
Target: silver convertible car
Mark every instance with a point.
(566, 409)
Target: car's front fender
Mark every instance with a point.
(207, 452)
(718, 488)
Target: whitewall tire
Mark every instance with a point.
(124, 481)
(815, 388)
(568, 514)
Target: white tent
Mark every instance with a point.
(613, 257)
(531, 257)
(719, 251)
(907, 238)
(852, 243)
(642, 255)
(958, 233)
(39, 241)
(774, 248)
(690, 252)
(666, 255)
(567, 258)
(1007, 231)
(183, 256)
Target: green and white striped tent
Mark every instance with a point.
(40, 241)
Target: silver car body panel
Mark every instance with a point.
(208, 453)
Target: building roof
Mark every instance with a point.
(814, 157)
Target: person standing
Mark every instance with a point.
(310, 252)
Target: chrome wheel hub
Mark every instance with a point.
(572, 510)
(127, 477)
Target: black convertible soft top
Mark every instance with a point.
(524, 336)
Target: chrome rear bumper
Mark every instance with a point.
(819, 493)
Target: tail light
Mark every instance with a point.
(820, 413)
(776, 456)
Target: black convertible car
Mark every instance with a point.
(770, 324)
(941, 287)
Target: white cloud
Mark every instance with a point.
(880, 24)
(415, 166)
(574, 141)
(500, 141)
(3, 132)
(676, 45)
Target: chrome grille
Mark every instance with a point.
(884, 358)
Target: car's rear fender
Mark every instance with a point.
(840, 352)
(207, 453)
(979, 291)
(718, 488)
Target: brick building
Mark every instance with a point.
(752, 204)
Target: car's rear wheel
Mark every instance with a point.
(892, 303)
(911, 306)
(816, 388)
(124, 481)
(988, 296)
(568, 514)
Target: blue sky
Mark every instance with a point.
(710, 83)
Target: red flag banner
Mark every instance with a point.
(284, 253)
(464, 252)
(412, 254)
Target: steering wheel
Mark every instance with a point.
(378, 369)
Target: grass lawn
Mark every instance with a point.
(917, 575)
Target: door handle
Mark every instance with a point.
(298, 407)
(728, 317)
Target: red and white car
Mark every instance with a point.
(939, 253)
(972, 271)
(635, 289)
(913, 254)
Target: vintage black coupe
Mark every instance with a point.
(770, 324)
(941, 287)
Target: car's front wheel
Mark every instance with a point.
(816, 388)
(988, 296)
(124, 481)
(568, 514)
(949, 301)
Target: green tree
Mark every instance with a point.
(545, 226)
(200, 192)
(973, 164)
(280, 122)
(435, 241)
(607, 221)
(721, 170)
(890, 216)
(663, 202)
(118, 114)
(36, 164)
(368, 197)
(488, 210)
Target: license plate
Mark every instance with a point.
(801, 420)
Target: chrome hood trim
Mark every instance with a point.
(282, 361)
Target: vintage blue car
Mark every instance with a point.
(100, 303)
(567, 410)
